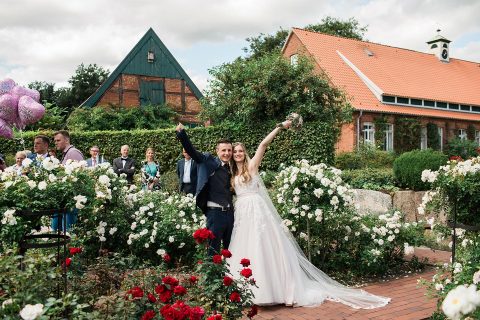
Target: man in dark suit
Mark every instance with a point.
(96, 158)
(40, 147)
(187, 174)
(125, 164)
(213, 192)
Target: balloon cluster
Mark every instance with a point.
(19, 107)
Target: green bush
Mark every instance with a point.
(370, 178)
(409, 166)
(365, 157)
(462, 148)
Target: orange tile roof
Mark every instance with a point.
(397, 72)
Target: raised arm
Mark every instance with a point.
(257, 158)
(187, 145)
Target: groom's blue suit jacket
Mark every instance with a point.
(206, 166)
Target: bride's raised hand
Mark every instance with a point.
(287, 124)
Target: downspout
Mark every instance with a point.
(358, 129)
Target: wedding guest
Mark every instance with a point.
(52, 152)
(187, 174)
(3, 165)
(96, 158)
(69, 152)
(18, 167)
(40, 146)
(124, 164)
(150, 171)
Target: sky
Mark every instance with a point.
(46, 40)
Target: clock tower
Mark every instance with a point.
(440, 46)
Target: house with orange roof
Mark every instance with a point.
(389, 83)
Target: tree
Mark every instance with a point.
(264, 44)
(46, 89)
(85, 82)
(252, 91)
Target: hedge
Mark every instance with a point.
(315, 142)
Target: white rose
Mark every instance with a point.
(31, 312)
(161, 252)
(171, 239)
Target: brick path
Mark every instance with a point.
(408, 300)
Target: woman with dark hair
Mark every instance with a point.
(282, 272)
(150, 171)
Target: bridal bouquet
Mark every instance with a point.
(297, 121)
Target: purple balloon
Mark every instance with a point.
(6, 85)
(20, 91)
(8, 108)
(5, 130)
(29, 111)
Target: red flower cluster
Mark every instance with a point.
(149, 315)
(215, 317)
(253, 312)
(170, 280)
(226, 253)
(181, 311)
(196, 313)
(67, 262)
(166, 257)
(227, 281)
(456, 158)
(202, 235)
(179, 290)
(235, 297)
(74, 250)
(246, 272)
(135, 292)
(245, 262)
(193, 279)
(217, 259)
(151, 297)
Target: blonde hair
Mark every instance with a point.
(244, 174)
(149, 149)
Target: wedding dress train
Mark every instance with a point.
(282, 272)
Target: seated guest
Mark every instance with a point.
(3, 165)
(150, 171)
(187, 174)
(124, 164)
(18, 167)
(96, 158)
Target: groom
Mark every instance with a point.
(213, 194)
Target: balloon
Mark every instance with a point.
(6, 85)
(8, 108)
(29, 111)
(5, 130)
(20, 91)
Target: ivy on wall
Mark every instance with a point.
(380, 127)
(407, 134)
(433, 137)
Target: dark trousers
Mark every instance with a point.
(188, 188)
(221, 224)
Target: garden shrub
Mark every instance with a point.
(381, 179)
(367, 156)
(462, 148)
(409, 166)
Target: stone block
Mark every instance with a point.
(370, 201)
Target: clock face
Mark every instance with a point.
(444, 54)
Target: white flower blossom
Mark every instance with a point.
(31, 312)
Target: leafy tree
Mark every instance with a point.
(85, 82)
(252, 91)
(46, 89)
(264, 44)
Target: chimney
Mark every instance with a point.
(440, 46)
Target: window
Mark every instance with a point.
(440, 138)
(389, 137)
(429, 103)
(368, 133)
(294, 59)
(403, 100)
(423, 139)
(442, 105)
(462, 134)
(477, 137)
(416, 102)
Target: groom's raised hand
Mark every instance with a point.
(179, 127)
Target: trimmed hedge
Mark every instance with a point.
(315, 142)
(409, 166)
(380, 179)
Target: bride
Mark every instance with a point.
(282, 272)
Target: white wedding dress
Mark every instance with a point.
(282, 272)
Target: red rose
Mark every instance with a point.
(226, 253)
(235, 297)
(182, 309)
(217, 259)
(253, 312)
(170, 280)
(196, 313)
(160, 288)
(68, 262)
(247, 272)
(456, 158)
(179, 290)
(74, 251)
(193, 279)
(165, 296)
(245, 262)
(199, 262)
(149, 315)
(151, 298)
(201, 235)
(215, 317)
(227, 281)
(166, 257)
(136, 292)
(168, 312)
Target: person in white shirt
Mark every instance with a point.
(96, 157)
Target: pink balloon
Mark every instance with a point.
(6, 85)
(20, 91)
(8, 108)
(29, 111)
(5, 130)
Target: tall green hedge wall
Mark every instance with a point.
(314, 142)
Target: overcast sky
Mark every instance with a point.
(46, 40)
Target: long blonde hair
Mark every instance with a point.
(146, 151)
(244, 174)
